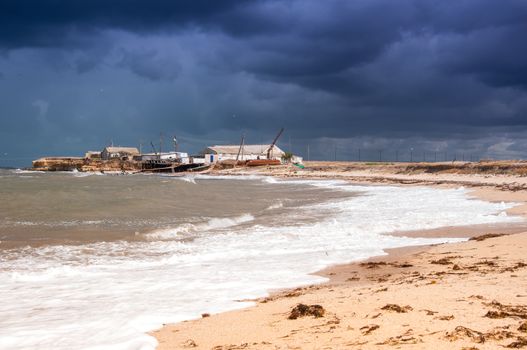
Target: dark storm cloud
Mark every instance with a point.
(150, 64)
(51, 23)
(483, 38)
(364, 73)
(496, 56)
(311, 43)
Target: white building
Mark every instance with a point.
(123, 153)
(213, 154)
(181, 157)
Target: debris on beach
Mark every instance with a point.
(302, 310)
(486, 262)
(486, 236)
(498, 334)
(505, 311)
(295, 293)
(445, 318)
(399, 340)
(372, 264)
(380, 279)
(235, 347)
(369, 328)
(463, 332)
(352, 279)
(515, 267)
(519, 343)
(497, 314)
(190, 344)
(442, 261)
(397, 308)
(403, 265)
(429, 312)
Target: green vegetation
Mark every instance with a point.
(286, 157)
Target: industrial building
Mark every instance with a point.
(218, 153)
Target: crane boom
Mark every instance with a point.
(240, 149)
(153, 147)
(274, 143)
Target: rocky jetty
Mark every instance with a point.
(84, 164)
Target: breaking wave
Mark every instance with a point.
(186, 229)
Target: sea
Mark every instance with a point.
(95, 261)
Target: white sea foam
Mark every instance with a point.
(84, 174)
(62, 223)
(187, 178)
(277, 205)
(21, 171)
(106, 295)
(233, 177)
(271, 180)
(187, 228)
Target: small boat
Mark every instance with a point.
(202, 167)
(262, 162)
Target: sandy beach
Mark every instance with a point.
(468, 295)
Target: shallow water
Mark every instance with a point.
(94, 262)
(70, 208)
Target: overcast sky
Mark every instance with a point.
(339, 75)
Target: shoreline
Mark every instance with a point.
(360, 300)
(398, 173)
(372, 273)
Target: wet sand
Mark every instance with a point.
(468, 295)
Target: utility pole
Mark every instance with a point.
(175, 143)
(140, 146)
(243, 146)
